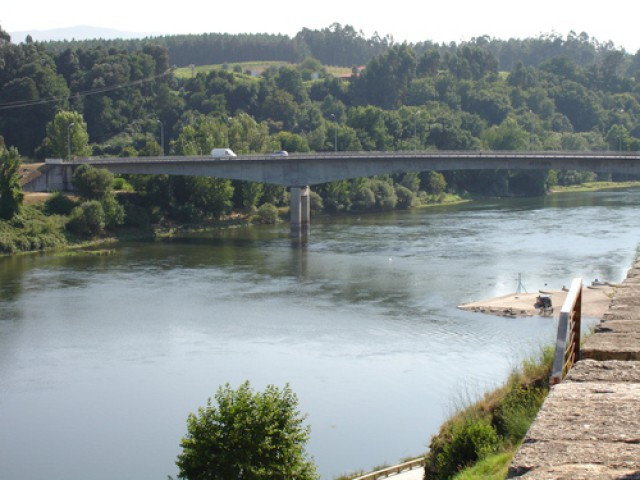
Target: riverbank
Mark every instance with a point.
(593, 186)
(595, 302)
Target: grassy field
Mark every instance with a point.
(257, 67)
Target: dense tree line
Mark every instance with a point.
(112, 100)
(345, 46)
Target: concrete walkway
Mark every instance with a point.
(589, 425)
(415, 474)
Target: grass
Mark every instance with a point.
(493, 467)
(441, 200)
(257, 67)
(508, 410)
(87, 253)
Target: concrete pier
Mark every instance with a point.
(589, 425)
(300, 202)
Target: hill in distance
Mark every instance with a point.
(79, 32)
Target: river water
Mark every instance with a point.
(103, 358)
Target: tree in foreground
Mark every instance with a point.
(10, 192)
(247, 436)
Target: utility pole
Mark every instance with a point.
(69, 140)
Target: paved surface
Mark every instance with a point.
(415, 474)
(589, 425)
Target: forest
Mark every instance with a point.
(122, 98)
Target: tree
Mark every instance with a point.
(507, 136)
(434, 183)
(87, 218)
(92, 183)
(386, 79)
(10, 192)
(267, 214)
(247, 435)
(66, 135)
(4, 36)
(251, 193)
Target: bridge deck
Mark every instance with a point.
(589, 425)
(300, 170)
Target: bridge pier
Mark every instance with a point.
(300, 210)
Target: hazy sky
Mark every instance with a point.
(441, 20)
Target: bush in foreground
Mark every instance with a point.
(494, 425)
(471, 439)
(253, 436)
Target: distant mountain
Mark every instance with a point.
(80, 32)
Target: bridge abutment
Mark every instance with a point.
(51, 178)
(300, 210)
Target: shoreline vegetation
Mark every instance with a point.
(34, 231)
(480, 439)
(593, 186)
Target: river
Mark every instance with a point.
(103, 357)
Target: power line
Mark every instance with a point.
(86, 93)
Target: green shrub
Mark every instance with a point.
(513, 417)
(87, 219)
(267, 214)
(113, 211)
(317, 205)
(471, 440)
(121, 184)
(59, 204)
(92, 183)
(31, 230)
(364, 199)
(406, 198)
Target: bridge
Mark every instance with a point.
(300, 171)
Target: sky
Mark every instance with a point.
(413, 21)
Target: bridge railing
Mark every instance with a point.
(385, 472)
(568, 340)
(382, 155)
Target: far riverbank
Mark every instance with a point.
(593, 186)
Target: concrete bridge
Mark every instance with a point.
(300, 171)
